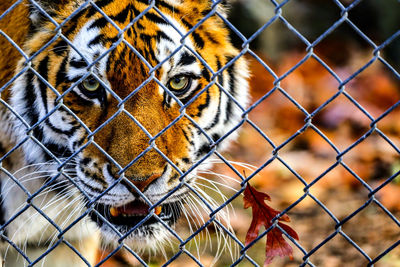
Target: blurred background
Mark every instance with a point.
(344, 120)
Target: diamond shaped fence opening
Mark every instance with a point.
(129, 131)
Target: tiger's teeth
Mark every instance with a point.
(114, 212)
(157, 210)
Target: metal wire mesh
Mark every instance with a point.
(275, 156)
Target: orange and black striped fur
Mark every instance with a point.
(110, 115)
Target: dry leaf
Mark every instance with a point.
(262, 216)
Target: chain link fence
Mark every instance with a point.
(211, 218)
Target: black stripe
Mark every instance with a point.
(155, 18)
(186, 59)
(232, 85)
(205, 105)
(197, 39)
(190, 141)
(186, 23)
(85, 161)
(72, 25)
(97, 40)
(204, 149)
(120, 62)
(221, 76)
(143, 70)
(93, 189)
(30, 114)
(43, 71)
(209, 36)
(99, 23)
(78, 143)
(215, 137)
(135, 11)
(148, 53)
(139, 25)
(168, 6)
(152, 56)
(93, 176)
(206, 74)
(58, 151)
(78, 64)
(61, 74)
(131, 32)
(218, 115)
(112, 40)
(123, 15)
(101, 39)
(161, 35)
(165, 102)
(68, 133)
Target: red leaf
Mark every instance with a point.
(262, 216)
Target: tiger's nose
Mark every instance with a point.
(142, 184)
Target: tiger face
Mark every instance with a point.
(132, 99)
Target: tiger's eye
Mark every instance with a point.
(178, 83)
(91, 84)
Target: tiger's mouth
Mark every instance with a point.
(128, 216)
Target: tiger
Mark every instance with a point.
(108, 111)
